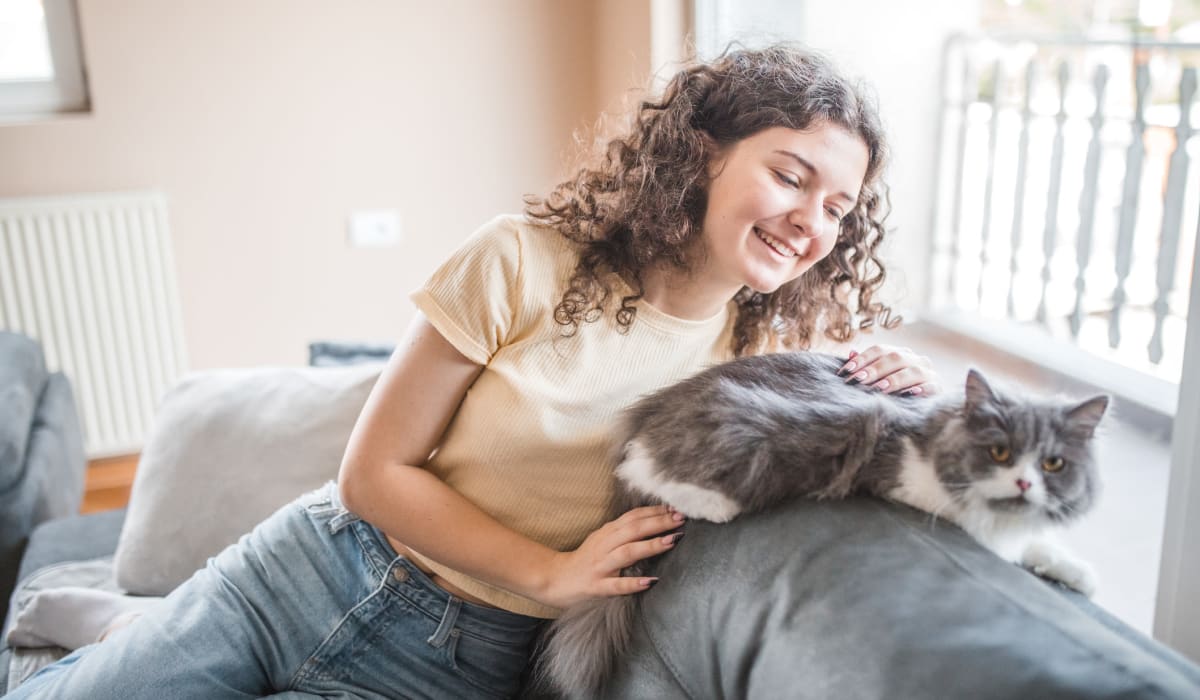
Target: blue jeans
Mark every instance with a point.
(312, 603)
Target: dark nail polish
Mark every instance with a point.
(678, 536)
(653, 582)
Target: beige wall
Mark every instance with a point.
(637, 46)
(267, 121)
(622, 59)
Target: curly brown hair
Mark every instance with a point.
(643, 203)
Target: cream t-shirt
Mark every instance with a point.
(530, 443)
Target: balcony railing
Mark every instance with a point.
(1068, 193)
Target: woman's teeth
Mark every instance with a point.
(778, 245)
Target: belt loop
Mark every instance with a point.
(341, 520)
(447, 625)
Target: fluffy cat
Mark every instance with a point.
(748, 434)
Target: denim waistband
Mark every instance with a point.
(404, 578)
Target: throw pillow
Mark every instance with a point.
(228, 448)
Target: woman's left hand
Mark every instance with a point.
(892, 370)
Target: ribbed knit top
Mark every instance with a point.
(531, 442)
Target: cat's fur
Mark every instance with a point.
(748, 434)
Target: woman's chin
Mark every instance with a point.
(767, 286)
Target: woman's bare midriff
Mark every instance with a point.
(441, 582)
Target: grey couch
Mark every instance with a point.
(41, 450)
(41, 458)
(851, 599)
(866, 599)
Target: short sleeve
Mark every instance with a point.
(472, 299)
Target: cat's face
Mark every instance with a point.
(1027, 457)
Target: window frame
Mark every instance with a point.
(65, 92)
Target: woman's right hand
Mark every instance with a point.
(594, 569)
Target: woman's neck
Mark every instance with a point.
(681, 295)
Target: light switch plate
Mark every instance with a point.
(374, 228)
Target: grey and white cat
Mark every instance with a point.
(748, 434)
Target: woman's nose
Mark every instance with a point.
(807, 219)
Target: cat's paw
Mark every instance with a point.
(641, 474)
(1053, 562)
(701, 504)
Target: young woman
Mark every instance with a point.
(740, 214)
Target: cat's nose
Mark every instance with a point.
(1024, 485)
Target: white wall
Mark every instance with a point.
(897, 47)
(1177, 615)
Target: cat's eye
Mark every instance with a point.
(1052, 464)
(1000, 453)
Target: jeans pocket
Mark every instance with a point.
(491, 667)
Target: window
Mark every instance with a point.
(41, 64)
(717, 23)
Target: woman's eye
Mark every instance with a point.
(1053, 464)
(834, 214)
(999, 453)
(790, 182)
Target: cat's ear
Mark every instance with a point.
(978, 391)
(1084, 417)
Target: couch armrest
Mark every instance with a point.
(49, 482)
(861, 598)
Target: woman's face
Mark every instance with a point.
(775, 204)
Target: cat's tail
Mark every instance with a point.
(579, 650)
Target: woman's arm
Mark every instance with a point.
(381, 479)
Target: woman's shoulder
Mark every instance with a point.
(525, 232)
(533, 247)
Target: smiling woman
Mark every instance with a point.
(776, 203)
(736, 109)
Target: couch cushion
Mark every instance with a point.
(862, 598)
(23, 662)
(75, 538)
(61, 540)
(229, 447)
(330, 353)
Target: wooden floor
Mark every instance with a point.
(107, 483)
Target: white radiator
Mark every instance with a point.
(92, 277)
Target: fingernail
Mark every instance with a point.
(848, 367)
(649, 582)
(853, 353)
(676, 537)
(914, 391)
(882, 384)
(678, 517)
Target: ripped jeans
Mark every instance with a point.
(312, 603)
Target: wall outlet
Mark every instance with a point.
(374, 228)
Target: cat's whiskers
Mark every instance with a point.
(935, 514)
(1070, 510)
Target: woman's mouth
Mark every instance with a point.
(775, 244)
